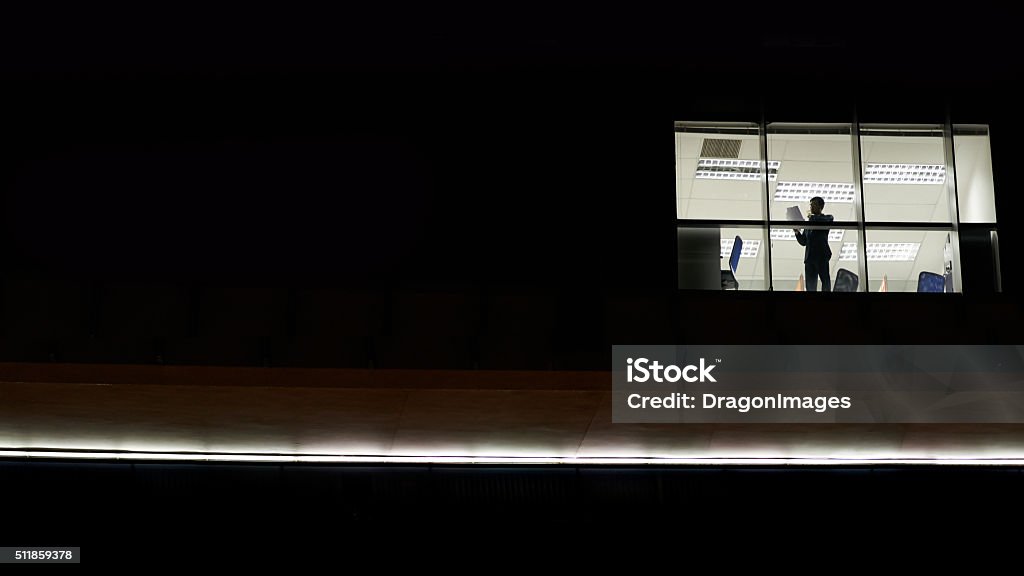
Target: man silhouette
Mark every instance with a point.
(817, 252)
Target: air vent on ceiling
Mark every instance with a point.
(720, 148)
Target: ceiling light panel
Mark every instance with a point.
(732, 169)
(905, 174)
(749, 250)
(802, 191)
(883, 251)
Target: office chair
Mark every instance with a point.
(729, 281)
(846, 281)
(931, 282)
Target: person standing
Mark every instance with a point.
(816, 252)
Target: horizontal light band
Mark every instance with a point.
(788, 234)
(837, 192)
(905, 174)
(749, 250)
(883, 251)
(609, 460)
(732, 169)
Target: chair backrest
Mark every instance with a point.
(930, 282)
(734, 258)
(846, 281)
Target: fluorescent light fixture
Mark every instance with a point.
(749, 250)
(787, 234)
(809, 460)
(905, 174)
(883, 251)
(838, 192)
(733, 169)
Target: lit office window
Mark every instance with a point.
(904, 171)
(790, 273)
(898, 214)
(974, 174)
(910, 260)
(718, 172)
(813, 161)
(743, 258)
(816, 161)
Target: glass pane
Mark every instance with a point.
(904, 170)
(814, 160)
(790, 272)
(718, 172)
(749, 260)
(910, 260)
(973, 157)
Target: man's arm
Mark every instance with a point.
(800, 237)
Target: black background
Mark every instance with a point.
(457, 149)
(412, 147)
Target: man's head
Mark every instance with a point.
(817, 205)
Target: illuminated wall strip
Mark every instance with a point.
(883, 251)
(905, 174)
(732, 169)
(810, 460)
(788, 234)
(831, 192)
(749, 250)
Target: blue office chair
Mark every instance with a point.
(729, 281)
(846, 281)
(931, 282)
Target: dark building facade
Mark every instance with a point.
(412, 221)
